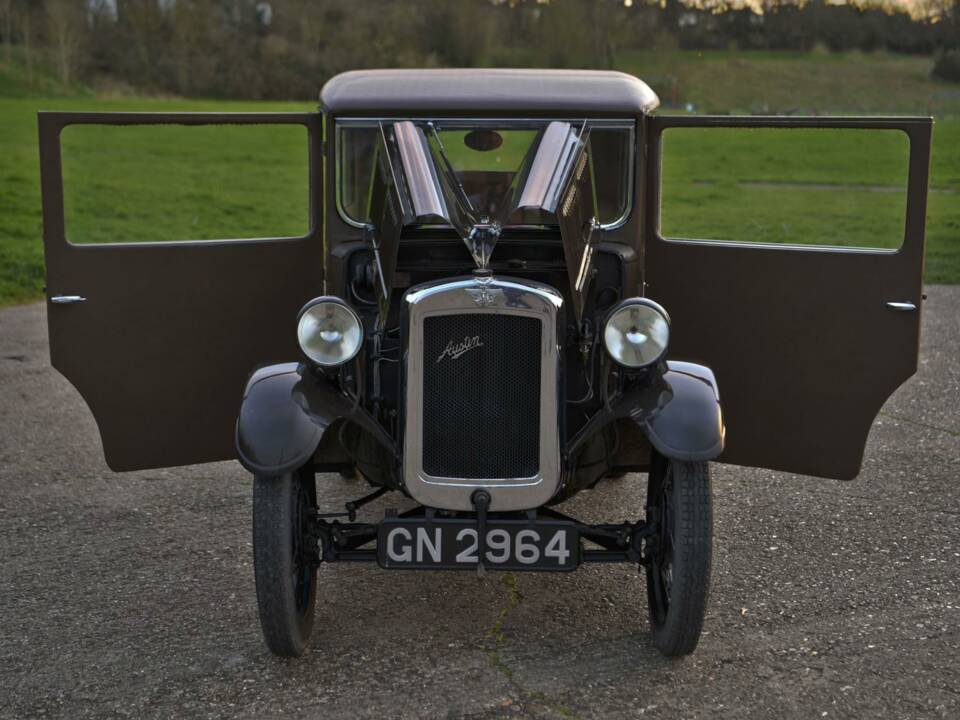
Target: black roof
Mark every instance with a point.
(487, 92)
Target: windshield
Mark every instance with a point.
(484, 159)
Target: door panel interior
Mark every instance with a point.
(803, 341)
(159, 338)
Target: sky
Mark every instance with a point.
(916, 8)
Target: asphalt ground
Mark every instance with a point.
(131, 595)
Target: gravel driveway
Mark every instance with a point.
(131, 595)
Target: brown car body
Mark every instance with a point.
(483, 384)
(169, 394)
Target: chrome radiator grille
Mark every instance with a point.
(482, 363)
(481, 396)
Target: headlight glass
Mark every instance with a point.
(329, 332)
(637, 333)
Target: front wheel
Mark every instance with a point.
(680, 507)
(285, 559)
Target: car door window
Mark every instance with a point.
(797, 186)
(153, 183)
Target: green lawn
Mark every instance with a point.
(718, 81)
(821, 187)
(806, 186)
(197, 185)
(710, 189)
(156, 183)
(168, 182)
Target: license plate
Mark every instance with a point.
(452, 544)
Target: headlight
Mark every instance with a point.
(329, 331)
(637, 332)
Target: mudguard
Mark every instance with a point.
(688, 424)
(284, 415)
(274, 436)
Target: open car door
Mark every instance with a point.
(807, 342)
(159, 337)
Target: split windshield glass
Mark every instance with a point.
(483, 164)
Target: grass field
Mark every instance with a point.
(235, 194)
(717, 81)
(846, 193)
(801, 186)
(168, 182)
(175, 183)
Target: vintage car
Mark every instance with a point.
(485, 335)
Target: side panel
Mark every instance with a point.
(801, 339)
(168, 332)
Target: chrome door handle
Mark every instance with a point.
(902, 306)
(67, 299)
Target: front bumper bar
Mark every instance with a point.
(612, 543)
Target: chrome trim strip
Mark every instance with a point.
(500, 296)
(902, 306)
(67, 299)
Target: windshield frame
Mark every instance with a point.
(627, 124)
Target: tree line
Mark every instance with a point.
(272, 49)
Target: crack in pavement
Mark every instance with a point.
(496, 634)
(920, 423)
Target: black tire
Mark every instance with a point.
(284, 562)
(679, 499)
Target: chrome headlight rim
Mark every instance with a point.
(632, 302)
(331, 300)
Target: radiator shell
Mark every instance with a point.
(475, 414)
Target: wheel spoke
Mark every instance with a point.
(301, 567)
(661, 562)
(677, 592)
(660, 609)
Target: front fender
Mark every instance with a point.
(284, 416)
(274, 435)
(688, 425)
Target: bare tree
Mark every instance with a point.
(195, 25)
(143, 20)
(231, 48)
(65, 22)
(7, 11)
(26, 35)
(22, 24)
